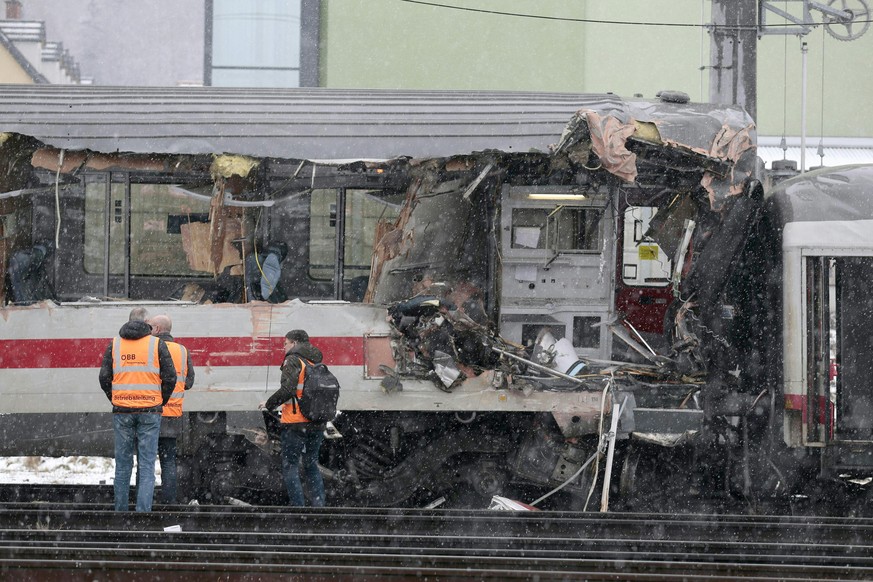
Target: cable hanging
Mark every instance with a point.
(752, 28)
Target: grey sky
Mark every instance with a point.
(127, 42)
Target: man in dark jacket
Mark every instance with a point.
(300, 437)
(138, 377)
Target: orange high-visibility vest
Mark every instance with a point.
(136, 378)
(290, 413)
(173, 407)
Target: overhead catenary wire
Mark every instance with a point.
(754, 28)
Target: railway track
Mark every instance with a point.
(87, 542)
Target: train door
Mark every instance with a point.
(643, 291)
(557, 267)
(838, 397)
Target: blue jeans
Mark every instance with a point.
(140, 430)
(305, 443)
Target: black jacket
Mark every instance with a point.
(137, 330)
(291, 372)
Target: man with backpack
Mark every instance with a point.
(305, 386)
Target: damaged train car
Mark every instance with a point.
(517, 292)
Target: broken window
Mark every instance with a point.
(586, 332)
(561, 229)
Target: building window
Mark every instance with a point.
(261, 43)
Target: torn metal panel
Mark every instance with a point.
(715, 144)
(437, 238)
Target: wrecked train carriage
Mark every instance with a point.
(510, 251)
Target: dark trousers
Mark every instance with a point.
(302, 444)
(169, 474)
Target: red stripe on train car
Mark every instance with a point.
(205, 351)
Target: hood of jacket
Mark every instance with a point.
(308, 351)
(135, 330)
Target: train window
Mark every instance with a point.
(365, 211)
(560, 229)
(644, 262)
(157, 212)
(95, 216)
(586, 332)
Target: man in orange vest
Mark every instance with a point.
(300, 437)
(138, 377)
(171, 423)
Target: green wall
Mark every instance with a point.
(847, 83)
(401, 45)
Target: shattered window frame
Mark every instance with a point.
(358, 229)
(557, 206)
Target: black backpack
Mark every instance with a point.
(320, 393)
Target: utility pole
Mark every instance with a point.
(734, 54)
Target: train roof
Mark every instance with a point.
(830, 209)
(841, 193)
(328, 124)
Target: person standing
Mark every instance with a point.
(301, 439)
(171, 422)
(138, 377)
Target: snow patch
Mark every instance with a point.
(60, 470)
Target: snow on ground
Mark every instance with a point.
(59, 470)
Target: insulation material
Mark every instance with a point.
(226, 166)
(608, 138)
(48, 159)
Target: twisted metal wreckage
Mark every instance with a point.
(695, 169)
(458, 303)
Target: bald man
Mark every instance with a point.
(171, 422)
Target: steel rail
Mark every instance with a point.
(46, 542)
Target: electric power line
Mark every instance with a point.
(614, 22)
